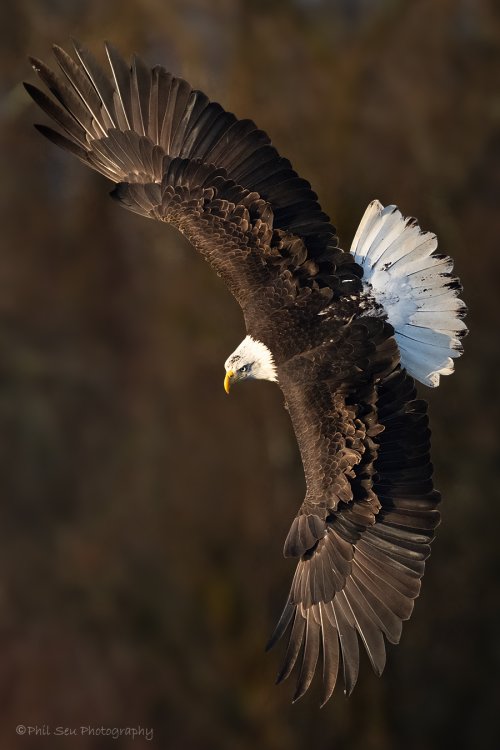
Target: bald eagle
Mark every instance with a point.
(343, 334)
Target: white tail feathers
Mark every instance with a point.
(415, 287)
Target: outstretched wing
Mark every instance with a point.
(363, 532)
(183, 159)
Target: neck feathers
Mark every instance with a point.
(265, 368)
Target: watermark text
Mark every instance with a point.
(87, 730)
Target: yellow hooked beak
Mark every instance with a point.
(227, 380)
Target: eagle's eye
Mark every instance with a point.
(244, 368)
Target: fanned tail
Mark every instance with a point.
(416, 288)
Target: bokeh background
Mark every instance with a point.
(142, 512)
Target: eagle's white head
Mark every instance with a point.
(252, 359)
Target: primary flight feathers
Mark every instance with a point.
(338, 331)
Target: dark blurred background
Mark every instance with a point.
(143, 512)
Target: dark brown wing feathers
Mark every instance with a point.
(364, 572)
(363, 532)
(183, 122)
